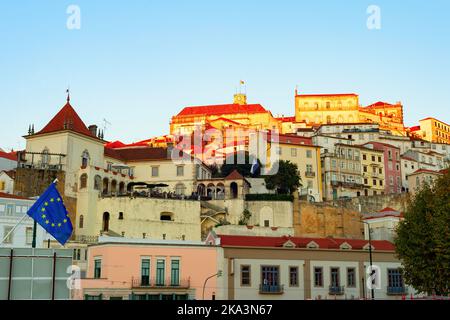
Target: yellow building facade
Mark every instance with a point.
(238, 115)
(372, 166)
(434, 130)
(315, 109)
(299, 150)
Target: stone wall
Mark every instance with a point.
(33, 182)
(340, 218)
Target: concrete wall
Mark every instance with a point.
(253, 231)
(142, 215)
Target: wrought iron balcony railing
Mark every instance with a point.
(397, 290)
(271, 289)
(336, 290)
(146, 282)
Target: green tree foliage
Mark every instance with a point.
(423, 239)
(242, 162)
(286, 180)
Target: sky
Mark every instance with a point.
(138, 63)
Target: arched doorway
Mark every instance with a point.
(234, 190)
(105, 222)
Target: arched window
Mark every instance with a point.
(122, 188)
(85, 159)
(180, 189)
(234, 190)
(97, 182)
(105, 186)
(83, 181)
(45, 157)
(113, 187)
(166, 216)
(81, 222)
(120, 215)
(105, 226)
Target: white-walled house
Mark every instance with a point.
(293, 268)
(12, 209)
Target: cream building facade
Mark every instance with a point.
(292, 268)
(326, 108)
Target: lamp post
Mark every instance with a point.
(218, 274)
(370, 254)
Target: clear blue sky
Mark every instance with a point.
(137, 63)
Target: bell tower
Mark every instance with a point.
(240, 98)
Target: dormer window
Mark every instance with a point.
(345, 246)
(312, 245)
(289, 244)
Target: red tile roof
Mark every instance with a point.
(323, 243)
(380, 104)
(8, 155)
(67, 119)
(139, 153)
(211, 110)
(12, 196)
(234, 175)
(115, 144)
(294, 139)
(425, 171)
(286, 119)
(408, 158)
(10, 173)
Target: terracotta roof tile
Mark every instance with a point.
(12, 196)
(301, 242)
(222, 109)
(67, 119)
(234, 175)
(8, 155)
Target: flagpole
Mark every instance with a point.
(33, 243)
(14, 228)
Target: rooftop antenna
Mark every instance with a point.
(105, 124)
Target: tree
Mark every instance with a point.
(423, 239)
(240, 161)
(286, 180)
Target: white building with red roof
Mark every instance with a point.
(8, 160)
(382, 224)
(294, 268)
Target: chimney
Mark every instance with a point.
(93, 130)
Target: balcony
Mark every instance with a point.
(336, 290)
(147, 283)
(310, 174)
(271, 289)
(392, 291)
(344, 184)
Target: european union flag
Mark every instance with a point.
(49, 211)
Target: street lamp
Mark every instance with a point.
(218, 274)
(370, 253)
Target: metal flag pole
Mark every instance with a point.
(33, 243)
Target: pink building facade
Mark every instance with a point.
(392, 166)
(125, 269)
